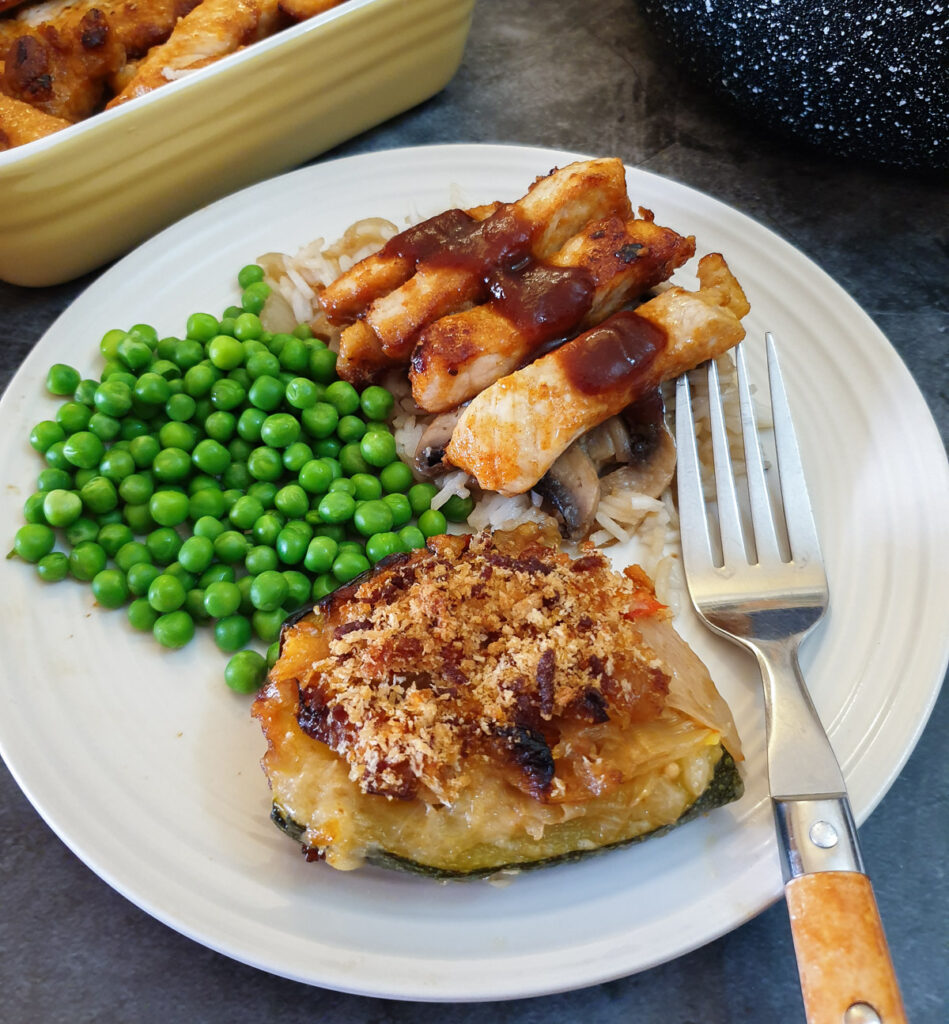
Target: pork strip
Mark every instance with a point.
(511, 434)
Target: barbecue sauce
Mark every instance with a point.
(618, 355)
(540, 300)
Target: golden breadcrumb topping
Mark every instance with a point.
(478, 646)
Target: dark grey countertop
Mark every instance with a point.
(585, 75)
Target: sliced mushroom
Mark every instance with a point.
(572, 486)
(651, 475)
(430, 451)
(608, 442)
(277, 314)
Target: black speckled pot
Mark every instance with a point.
(859, 78)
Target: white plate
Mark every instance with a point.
(146, 765)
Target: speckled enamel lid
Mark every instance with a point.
(858, 78)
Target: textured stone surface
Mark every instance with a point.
(588, 75)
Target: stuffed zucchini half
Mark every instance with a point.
(489, 702)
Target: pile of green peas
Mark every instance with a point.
(227, 478)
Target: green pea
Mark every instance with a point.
(199, 379)
(53, 567)
(315, 476)
(113, 397)
(292, 501)
(400, 508)
(376, 403)
(267, 528)
(298, 588)
(166, 593)
(136, 488)
(168, 508)
(83, 449)
(62, 379)
(179, 409)
(291, 545)
(343, 397)
(208, 526)
(173, 630)
(350, 428)
(220, 426)
(328, 448)
(138, 517)
(166, 368)
(378, 448)
(396, 477)
(432, 523)
(45, 433)
(55, 457)
(133, 553)
(86, 560)
(319, 420)
(152, 388)
(143, 450)
(323, 365)
(232, 632)
(117, 464)
(221, 598)
(134, 353)
(110, 588)
(82, 477)
(320, 554)
(211, 457)
(296, 456)
(412, 537)
(265, 464)
(249, 275)
(260, 558)
(249, 423)
(139, 577)
(54, 479)
(163, 545)
(266, 393)
(336, 507)
(264, 491)
(209, 501)
(245, 512)
(457, 509)
(381, 545)
(145, 333)
(348, 565)
(141, 615)
(267, 624)
(420, 497)
(351, 459)
(231, 547)
(106, 428)
(254, 296)
(294, 355)
(373, 517)
(85, 391)
(99, 495)
(82, 529)
(171, 465)
(245, 672)
(324, 584)
(60, 507)
(302, 393)
(112, 536)
(268, 591)
(247, 326)
(202, 326)
(262, 363)
(226, 353)
(216, 573)
(196, 553)
(33, 541)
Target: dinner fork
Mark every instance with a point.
(768, 602)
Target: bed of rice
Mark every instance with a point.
(647, 527)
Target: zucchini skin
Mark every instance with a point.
(726, 787)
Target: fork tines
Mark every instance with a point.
(794, 509)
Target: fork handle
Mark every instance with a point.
(847, 975)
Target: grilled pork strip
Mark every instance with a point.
(454, 255)
(214, 29)
(609, 262)
(511, 434)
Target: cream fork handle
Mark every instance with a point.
(847, 975)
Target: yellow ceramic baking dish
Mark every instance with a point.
(76, 199)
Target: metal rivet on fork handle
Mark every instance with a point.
(861, 1013)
